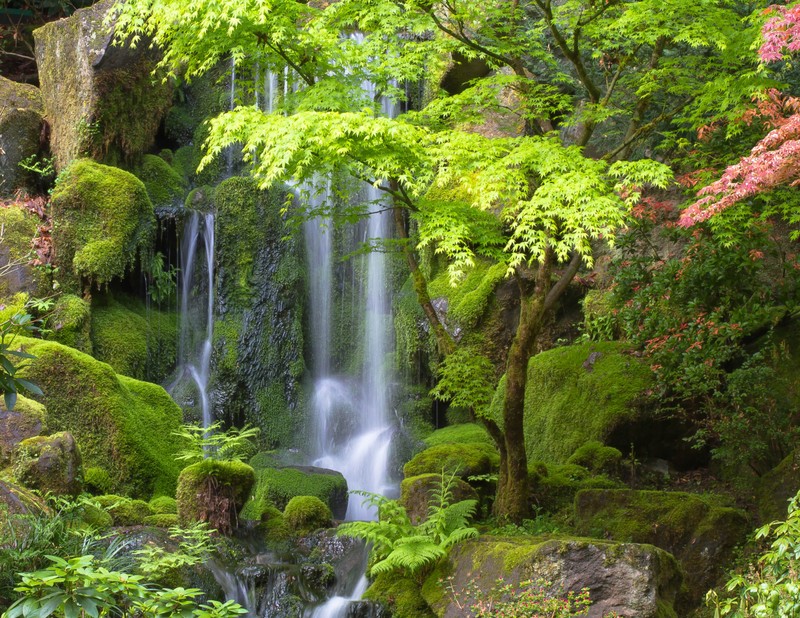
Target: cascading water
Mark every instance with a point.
(195, 357)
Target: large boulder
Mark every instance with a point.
(700, 531)
(580, 393)
(104, 221)
(100, 99)
(20, 129)
(50, 464)
(17, 500)
(632, 580)
(122, 425)
(26, 420)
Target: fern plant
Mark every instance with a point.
(231, 445)
(399, 545)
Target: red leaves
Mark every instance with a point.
(781, 33)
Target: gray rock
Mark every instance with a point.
(50, 463)
(20, 129)
(632, 580)
(99, 99)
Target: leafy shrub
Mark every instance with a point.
(231, 445)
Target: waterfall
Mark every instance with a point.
(194, 357)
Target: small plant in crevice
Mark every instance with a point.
(413, 550)
(527, 599)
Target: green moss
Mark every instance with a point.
(202, 485)
(96, 518)
(70, 322)
(14, 305)
(468, 301)
(161, 520)
(597, 458)
(97, 481)
(102, 220)
(466, 433)
(130, 513)
(123, 425)
(273, 525)
(777, 487)
(19, 227)
(49, 464)
(576, 394)
(185, 161)
(463, 459)
(599, 321)
(136, 340)
(553, 487)
(28, 419)
(164, 505)
(277, 486)
(20, 130)
(401, 595)
(163, 183)
(305, 514)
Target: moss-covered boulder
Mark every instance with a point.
(26, 420)
(99, 99)
(700, 531)
(416, 492)
(164, 505)
(18, 500)
(95, 517)
(629, 579)
(124, 511)
(576, 394)
(777, 487)
(464, 433)
(20, 227)
(103, 220)
(50, 464)
(277, 486)
(304, 514)
(137, 341)
(164, 185)
(122, 425)
(21, 113)
(400, 595)
(553, 487)
(70, 322)
(462, 459)
(597, 458)
(258, 334)
(215, 492)
(161, 520)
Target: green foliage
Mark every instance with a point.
(466, 433)
(164, 185)
(276, 486)
(69, 322)
(78, 586)
(233, 444)
(162, 283)
(10, 383)
(597, 458)
(97, 481)
(304, 514)
(164, 505)
(769, 588)
(399, 546)
(125, 511)
(460, 459)
(194, 545)
(466, 379)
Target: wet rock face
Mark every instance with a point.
(25, 421)
(99, 99)
(632, 580)
(20, 128)
(50, 463)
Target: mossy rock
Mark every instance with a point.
(553, 487)
(214, 492)
(100, 99)
(124, 511)
(70, 322)
(164, 185)
(629, 579)
(576, 394)
(97, 481)
(700, 531)
(161, 520)
(597, 458)
(26, 420)
(18, 500)
(123, 425)
(273, 525)
(462, 459)
(95, 517)
(20, 227)
(137, 341)
(103, 219)
(49, 464)
(777, 487)
(416, 492)
(400, 595)
(464, 433)
(277, 486)
(164, 505)
(468, 301)
(304, 514)
(21, 120)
